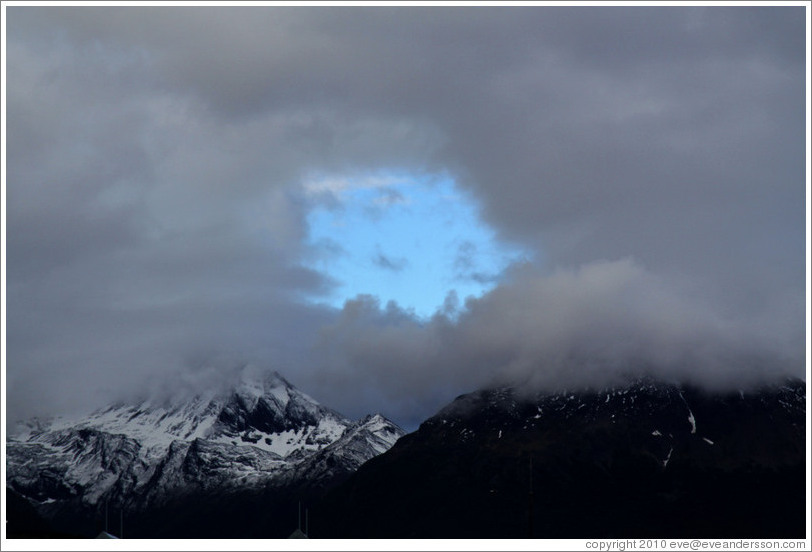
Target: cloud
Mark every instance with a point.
(388, 197)
(389, 263)
(466, 266)
(570, 328)
(464, 260)
(162, 164)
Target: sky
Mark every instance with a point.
(404, 238)
(392, 206)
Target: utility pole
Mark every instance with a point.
(530, 503)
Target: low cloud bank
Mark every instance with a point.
(587, 327)
(540, 331)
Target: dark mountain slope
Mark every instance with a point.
(649, 459)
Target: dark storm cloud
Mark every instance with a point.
(156, 215)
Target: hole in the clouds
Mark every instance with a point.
(411, 239)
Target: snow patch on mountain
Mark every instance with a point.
(261, 431)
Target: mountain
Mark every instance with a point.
(646, 459)
(258, 447)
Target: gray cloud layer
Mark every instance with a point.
(593, 326)
(155, 218)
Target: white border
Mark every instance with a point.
(451, 544)
(404, 3)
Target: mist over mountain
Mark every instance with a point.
(570, 329)
(585, 328)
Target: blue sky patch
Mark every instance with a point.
(403, 238)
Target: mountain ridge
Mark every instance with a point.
(648, 458)
(257, 435)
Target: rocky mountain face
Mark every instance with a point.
(644, 459)
(232, 462)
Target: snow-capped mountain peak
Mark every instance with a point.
(258, 431)
(255, 384)
(258, 406)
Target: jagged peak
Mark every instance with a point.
(371, 418)
(376, 422)
(254, 383)
(260, 378)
